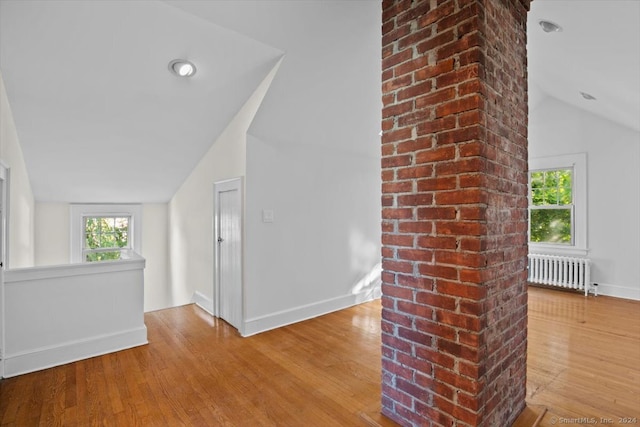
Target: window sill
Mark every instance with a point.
(122, 254)
(551, 249)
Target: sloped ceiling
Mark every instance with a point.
(597, 52)
(100, 118)
(328, 73)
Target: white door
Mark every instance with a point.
(228, 251)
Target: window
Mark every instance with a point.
(551, 206)
(103, 232)
(557, 205)
(105, 237)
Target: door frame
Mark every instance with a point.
(219, 187)
(4, 256)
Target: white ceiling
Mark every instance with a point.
(98, 114)
(597, 52)
(100, 118)
(331, 47)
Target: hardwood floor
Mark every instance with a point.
(584, 361)
(198, 371)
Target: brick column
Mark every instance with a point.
(454, 172)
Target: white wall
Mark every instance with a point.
(155, 249)
(322, 251)
(191, 208)
(52, 233)
(313, 157)
(59, 314)
(613, 169)
(21, 204)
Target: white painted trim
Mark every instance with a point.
(308, 311)
(617, 291)
(14, 276)
(203, 301)
(47, 357)
(5, 176)
(542, 249)
(579, 163)
(79, 210)
(4, 249)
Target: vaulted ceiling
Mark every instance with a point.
(98, 114)
(100, 118)
(597, 52)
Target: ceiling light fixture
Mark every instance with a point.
(549, 27)
(588, 96)
(182, 68)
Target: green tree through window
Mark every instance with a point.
(105, 237)
(551, 206)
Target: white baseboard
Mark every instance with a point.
(203, 301)
(47, 357)
(265, 323)
(619, 291)
(294, 315)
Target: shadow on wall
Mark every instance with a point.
(21, 249)
(178, 273)
(364, 254)
(369, 284)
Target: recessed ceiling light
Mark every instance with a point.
(549, 27)
(182, 68)
(588, 96)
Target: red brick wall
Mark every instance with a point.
(454, 163)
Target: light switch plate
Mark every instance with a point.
(267, 215)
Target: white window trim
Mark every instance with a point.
(578, 162)
(78, 212)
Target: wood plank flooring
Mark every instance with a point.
(198, 371)
(584, 361)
